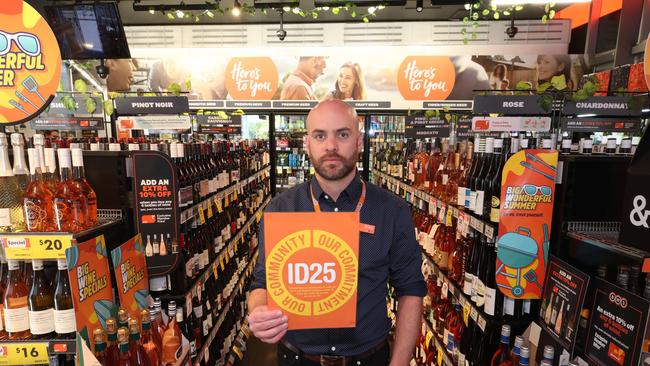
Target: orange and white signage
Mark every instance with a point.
(251, 78)
(507, 124)
(426, 77)
(312, 267)
(30, 63)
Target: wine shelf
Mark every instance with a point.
(191, 212)
(212, 269)
(213, 333)
(475, 313)
(420, 198)
(32, 245)
(598, 242)
(443, 357)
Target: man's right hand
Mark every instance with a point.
(268, 325)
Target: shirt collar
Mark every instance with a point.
(352, 191)
(303, 76)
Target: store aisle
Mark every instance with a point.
(260, 353)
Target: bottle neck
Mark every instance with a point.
(78, 172)
(66, 174)
(5, 166)
(20, 165)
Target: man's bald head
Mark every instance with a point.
(330, 109)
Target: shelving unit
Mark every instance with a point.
(423, 199)
(595, 243)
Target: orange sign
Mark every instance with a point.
(251, 78)
(312, 267)
(646, 62)
(426, 77)
(90, 282)
(30, 63)
(527, 187)
(131, 275)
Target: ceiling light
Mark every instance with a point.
(236, 10)
(286, 9)
(179, 14)
(209, 13)
(586, 115)
(538, 2)
(419, 5)
(151, 11)
(372, 10)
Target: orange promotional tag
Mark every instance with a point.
(366, 228)
(312, 267)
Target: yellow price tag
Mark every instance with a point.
(35, 246)
(214, 271)
(217, 202)
(201, 216)
(209, 210)
(466, 310)
(226, 201)
(235, 194)
(221, 264)
(427, 339)
(227, 255)
(26, 354)
(439, 357)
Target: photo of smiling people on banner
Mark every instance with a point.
(299, 84)
(350, 84)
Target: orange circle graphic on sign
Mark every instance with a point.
(313, 273)
(30, 63)
(646, 62)
(251, 78)
(426, 77)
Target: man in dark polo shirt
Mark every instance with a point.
(389, 255)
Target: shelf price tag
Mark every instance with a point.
(489, 231)
(439, 356)
(24, 354)
(217, 202)
(201, 215)
(481, 323)
(35, 246)
(473, 313)
(209, 210)
(466, 311)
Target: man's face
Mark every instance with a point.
(333, 140)
(318, 67)
(120, 75)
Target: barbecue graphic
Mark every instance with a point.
(517, 250)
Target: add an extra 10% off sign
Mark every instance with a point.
(312, 276)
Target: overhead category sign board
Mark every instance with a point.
(506, 124)
(151, 105)
(424, 127)
(509, 105)
(217, 124)
(627, 106)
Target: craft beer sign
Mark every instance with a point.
(312, 267)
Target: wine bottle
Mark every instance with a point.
(172, 346)
(37, 198)
(65, 324)
(524, 357)
(516, 350)
(112, 352)
(99, 344)
(41, 304)
(16, 310)
(84, 188)
(503, 351)
(70, 205)
(150, 347)
(549, 353)
(136, 351)
(11, 205)
(20, 170)
(123, 357)
(122, 318)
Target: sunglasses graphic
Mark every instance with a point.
(26, 42)
(531, 190)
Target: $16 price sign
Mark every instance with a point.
(24, 354)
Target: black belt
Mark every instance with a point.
(330, 360)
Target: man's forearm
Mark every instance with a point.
(409, 323)
(256, 298)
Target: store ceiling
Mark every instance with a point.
(393, 13)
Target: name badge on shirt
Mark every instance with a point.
(366, 228)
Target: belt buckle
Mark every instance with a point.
(328, 360)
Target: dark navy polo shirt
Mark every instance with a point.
(391, 254)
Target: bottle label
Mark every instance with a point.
(5, 217)
(41, 322)
(445, 179)
(474, 288)
(64, 321)
(17, 320)
(467, 284)
(461, 359)
(478, 206)
(206, 328)
(444, 259)
(460, 200)
(526, 306)
(427, 184)
(158, 283)
(490, 300)
(494, 214)
(189, 268)
(472, 200)
(480, 293)
(198, 311)
(508, 306)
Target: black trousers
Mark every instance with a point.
(286, 357)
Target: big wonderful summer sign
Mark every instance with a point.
(30, 63)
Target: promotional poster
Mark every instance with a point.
(525, 217)
(399, 79)
(30, 63)
(90, 283)
(312, 267)
(131, 275)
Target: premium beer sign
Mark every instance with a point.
(312, 267)
(30, 63)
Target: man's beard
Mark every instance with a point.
(346, 167)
